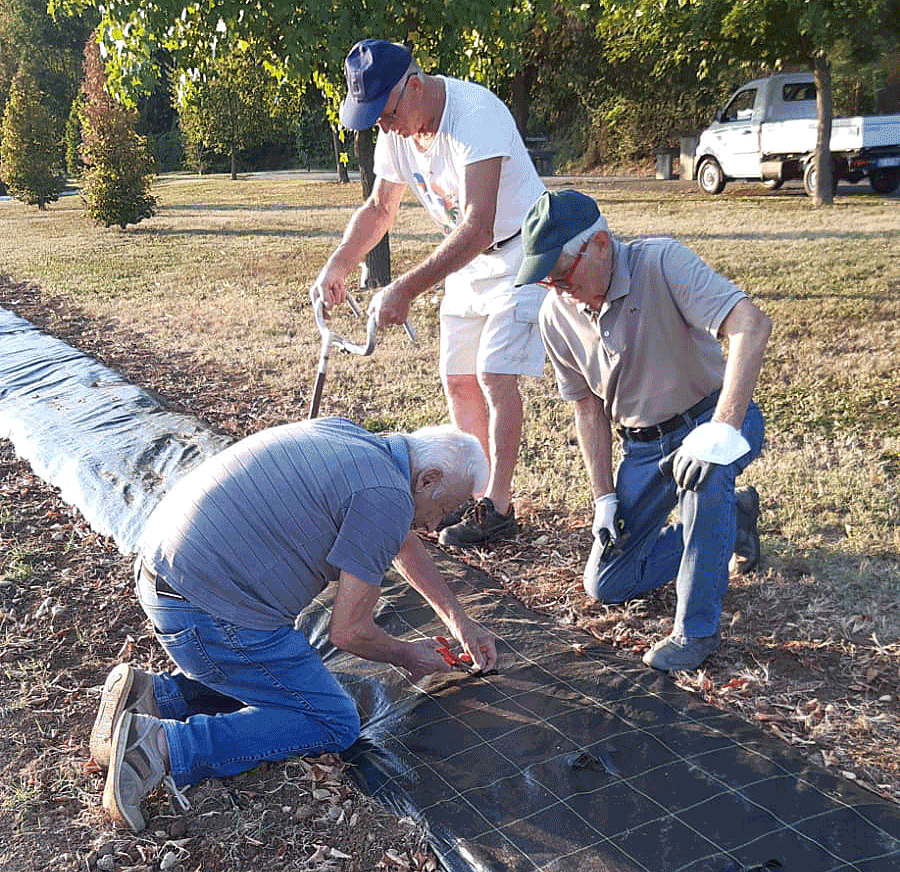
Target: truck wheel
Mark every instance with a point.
(884, 180)
(710, 177)
(774, 184)
(809, 179)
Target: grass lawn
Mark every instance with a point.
(206, 303)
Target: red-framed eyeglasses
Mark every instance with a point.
(564, 283)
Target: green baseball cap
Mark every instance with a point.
(554, 219)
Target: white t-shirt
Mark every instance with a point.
(475, 126)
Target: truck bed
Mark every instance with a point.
(798, 136)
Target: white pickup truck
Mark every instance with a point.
(767, 133)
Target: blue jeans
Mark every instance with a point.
(240, 696)
(694, 551)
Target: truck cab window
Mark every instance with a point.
(741, 107)
(798, 91)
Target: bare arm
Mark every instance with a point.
(470, 238)
(353, 629)
(367, 226)
(418, 569)
(747, 329)
(593, 428)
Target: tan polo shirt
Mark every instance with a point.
(652, 352)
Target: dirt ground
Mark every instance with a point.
(67, 615)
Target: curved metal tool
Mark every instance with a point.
(330, 338)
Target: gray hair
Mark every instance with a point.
(572, 246)
(447, 448)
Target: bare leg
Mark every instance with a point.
(504, 404)
(468, 410)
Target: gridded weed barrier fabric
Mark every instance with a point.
(111, 448)
(576, 759)
(569, 757)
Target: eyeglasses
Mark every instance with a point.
(564, 283)
(389, 117)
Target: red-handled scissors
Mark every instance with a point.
(463, 661)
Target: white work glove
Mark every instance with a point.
(712, 443)
(604, 527)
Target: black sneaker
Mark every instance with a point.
(746, 546)
(481, 525)
(455, 516)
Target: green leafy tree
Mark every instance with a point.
(118, 167)
(234, 106)
(30, 157)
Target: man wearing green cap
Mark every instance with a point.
(633, 333)
(456, 147)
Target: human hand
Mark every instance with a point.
(389, 306)
(710, 444)
(330, 287)
(423, 658)
(478, 643)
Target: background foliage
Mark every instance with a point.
(605, 81)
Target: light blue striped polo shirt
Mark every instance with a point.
(255, 532)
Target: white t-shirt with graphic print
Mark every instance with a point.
(475, 125)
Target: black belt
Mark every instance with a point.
(498, 245)
(657, 431)
(160, 585)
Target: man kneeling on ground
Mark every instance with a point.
(229, 558)
(633, 332)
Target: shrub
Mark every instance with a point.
(118, 166)
(30, 159)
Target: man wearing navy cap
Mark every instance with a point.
(456, 146)
(633, 333)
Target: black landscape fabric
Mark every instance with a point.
(568, 757)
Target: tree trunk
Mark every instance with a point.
(378, 260)
(233, 164)
(824, 166)
(521, 97)
(342, 174)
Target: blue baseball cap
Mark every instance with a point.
(554, 219)
(372, 68)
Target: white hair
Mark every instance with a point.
(575, 243)
(447, 448)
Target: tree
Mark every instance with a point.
(51, 47)
(118, 167)
(30, 157)
(231, 107)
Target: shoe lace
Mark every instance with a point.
(480, 511)
(177, 795)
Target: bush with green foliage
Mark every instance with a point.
(30, 158)
(118, 166)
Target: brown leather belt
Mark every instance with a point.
(657, 431)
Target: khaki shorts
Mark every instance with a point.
(487, 325)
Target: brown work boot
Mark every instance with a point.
(126, 689)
